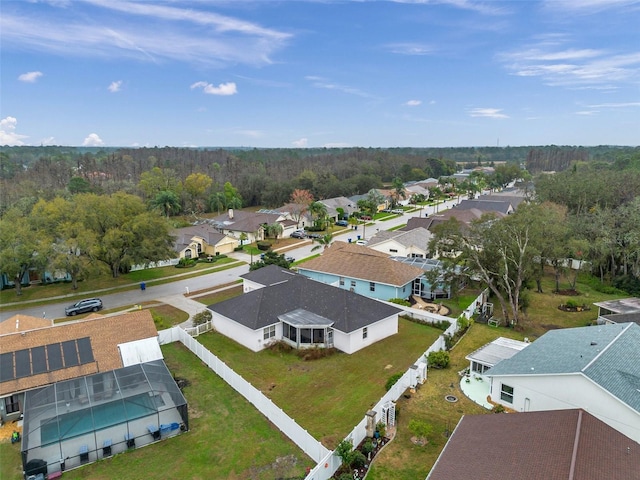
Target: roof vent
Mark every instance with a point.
(594, 343)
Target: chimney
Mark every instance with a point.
(231, 213)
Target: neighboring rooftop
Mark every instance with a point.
(359, 262)
(494, 352)
(551, 445)
(623, 305)
(83, 347)
(418, 237)
(269, 275)
(607, 354)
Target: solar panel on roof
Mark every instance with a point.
(6, 367)
(85, 350)
(70, 353)
(38, 360)
(23, 363)
(54, 354)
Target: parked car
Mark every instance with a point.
(290, 259)
(314, 235)
(84, 306)
(298, 234)
(366, 218)
(361, 242)
(398, 211)
(342, 223)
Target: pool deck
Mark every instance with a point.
(476, 390)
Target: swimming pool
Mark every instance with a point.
(100, 416)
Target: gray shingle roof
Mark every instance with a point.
(269, 275)
(260, 308)
(607, 354)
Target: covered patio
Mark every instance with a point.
(304, 329)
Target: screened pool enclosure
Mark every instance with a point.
(82, 420)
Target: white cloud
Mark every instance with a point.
(487, 112)
(616, 105)
(572, 67)
(30, 77)
(301, 143)
(115, 86)
(188, 35)
(413, 103)
(410, 48)
(48, 141)
(586, 113)
(320, 82)
(588, 6)
(228, 88)
(8, 136)
(93, 140)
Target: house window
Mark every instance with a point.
(342, 281)
(365, 333)
(506, 393)
(269, 332)
(11, 404)
(372, 287)
(353, 284)
(478, 368)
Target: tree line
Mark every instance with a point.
(588, 213)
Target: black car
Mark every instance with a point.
(84, 306)
(314, 235)
(342, 223)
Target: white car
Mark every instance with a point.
(361, 242)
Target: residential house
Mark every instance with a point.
(362, 270)
(402, 243)
(501, 206)
(492, 353)
(303, 313)
(619, 311)
(86, 389)
(555, 445)
(202, 239)
(338, 204)
(596, 368)
(235, 223)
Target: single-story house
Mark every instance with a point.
(596, 368)
(334, 205)
(234, 223)
(500, 206)
(555, 445)
(304, 313)
(196, 240)
(411, 243)
(619, 311)
(86, 389)
(362, 270)
(492, 353)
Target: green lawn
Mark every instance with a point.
(228, 439)
(329, 396)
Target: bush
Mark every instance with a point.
(400, 301)
(202, 317)
(498, 409)
(315, 353)
(381, 428)
(367, 446)
(571, 303)
(439, 359)
(358, 460)
(186, 263)
(421, 429)
(345, 476)
(393, 379)
(263, 245)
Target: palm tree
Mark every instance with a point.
(399, 190)
(167, 202)
(318, 213)
(324, 242)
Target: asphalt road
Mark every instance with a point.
(131, 297)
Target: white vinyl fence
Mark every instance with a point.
(327, 461)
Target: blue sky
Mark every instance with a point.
(431, 73)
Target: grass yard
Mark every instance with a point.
(228, 439)
(329, 396)
(404, 460)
